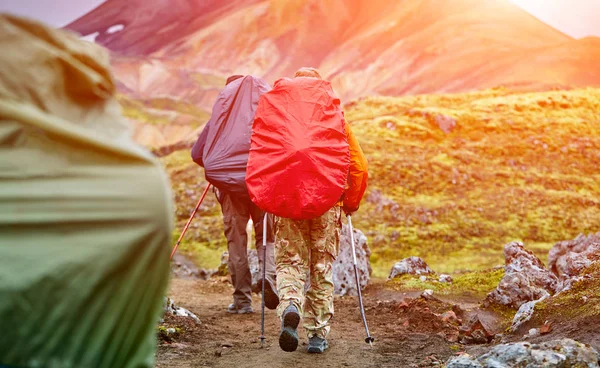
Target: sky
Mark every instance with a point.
(577, 18)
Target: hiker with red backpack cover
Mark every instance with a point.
(305, 166)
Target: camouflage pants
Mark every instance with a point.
(308, 247)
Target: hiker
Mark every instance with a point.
(222, 149)
(86, 215)
(305, 244)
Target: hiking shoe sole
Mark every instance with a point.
(288, 338)
(318, 349)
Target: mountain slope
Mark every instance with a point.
(184, 49)
(515, 166)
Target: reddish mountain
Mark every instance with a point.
(184, 49)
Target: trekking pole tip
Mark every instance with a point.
(369, 340)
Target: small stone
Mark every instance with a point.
(450, 317)
(446, 278)
(423, 278)
(533, 332)
(411, 266)
(171, 331)
(227, 345)
(479, 337)
(546, 328)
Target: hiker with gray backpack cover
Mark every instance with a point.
(222, 149)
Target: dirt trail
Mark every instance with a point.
(225, 340)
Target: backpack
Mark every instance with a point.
(222, 147)
(299, 154)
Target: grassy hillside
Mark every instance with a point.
(515, 166)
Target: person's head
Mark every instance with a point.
(232, 78)
(308, 72)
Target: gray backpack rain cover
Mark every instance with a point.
(223, 146)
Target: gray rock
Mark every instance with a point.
(567, 259)
(412, 266)
(525, 313)
(252, 264)
(525, 279)
(446, 278)
(557, 353)
(343, 267)
(254, 269)
(175, 310)
(463, 361)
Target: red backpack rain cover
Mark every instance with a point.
(299, 155)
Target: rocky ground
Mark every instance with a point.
(532, 316)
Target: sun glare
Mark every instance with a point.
(529, 3)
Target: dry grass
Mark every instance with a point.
(516, 166)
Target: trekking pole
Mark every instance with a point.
(264, 276)
(369, 340)
(190, 220)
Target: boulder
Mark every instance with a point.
(463, 361)
(411, 266)
(556, 353)
(568, 259)
(252, 264)
(525, 278)
(343, 267)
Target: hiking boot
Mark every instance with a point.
(288, 338)
(271, 297)
(317, 345)
(235, 309)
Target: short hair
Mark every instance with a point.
(308, 72)
(232, 78)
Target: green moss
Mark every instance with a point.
(162, 111)
(168, 336)
(581, 301)
(510, 170)
(502, 174)
(203, 255)
(477, 284)
(455, 347)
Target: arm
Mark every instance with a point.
(357, 176)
